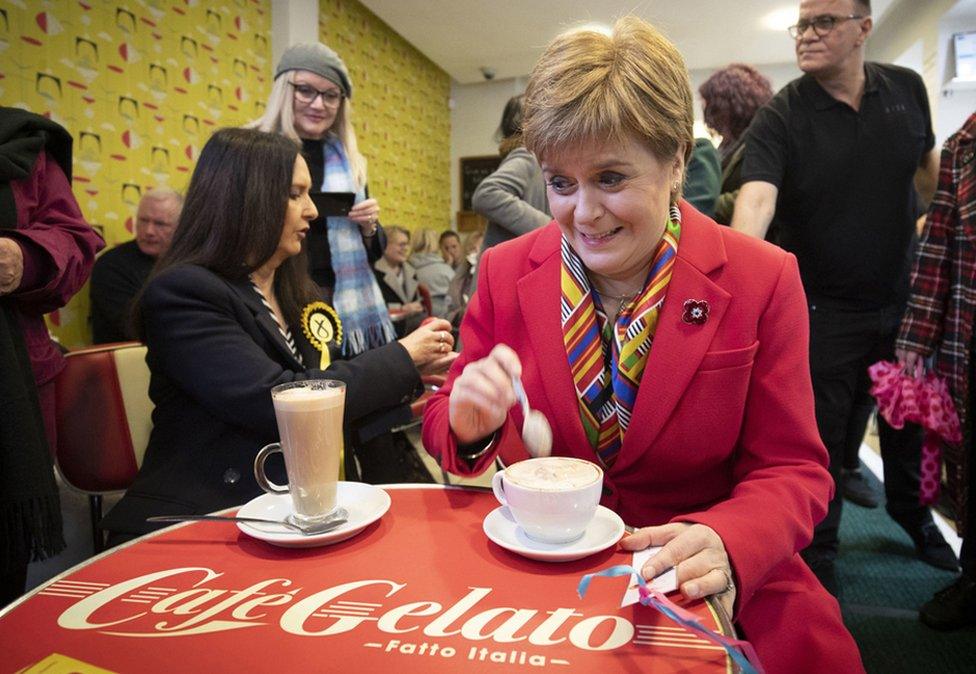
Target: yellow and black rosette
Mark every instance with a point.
(322, 327)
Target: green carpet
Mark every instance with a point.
(883, 586)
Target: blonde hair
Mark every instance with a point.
(588, 87)
(425, 240)
(279, 117)
(473, 241)
(396, 229)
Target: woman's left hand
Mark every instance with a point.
(698, 554)
(365, 214)
(412, 308)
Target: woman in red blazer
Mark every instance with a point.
(671, 351)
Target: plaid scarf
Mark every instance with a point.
(357, 298)
(607, 357)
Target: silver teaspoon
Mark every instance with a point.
(339, 517)
(536, 433)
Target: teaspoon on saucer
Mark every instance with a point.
(339, 517)
(536, 432)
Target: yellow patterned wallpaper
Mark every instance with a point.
(401, 115)
(140, 85)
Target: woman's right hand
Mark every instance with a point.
(430, 346)
(482, 395)
(910, 361)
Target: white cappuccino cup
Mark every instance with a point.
(553, 499)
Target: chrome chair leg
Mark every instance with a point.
(95, 508)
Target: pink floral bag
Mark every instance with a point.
(923, 400)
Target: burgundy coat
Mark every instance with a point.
(59, 251)
(723, 430)
(941, 309)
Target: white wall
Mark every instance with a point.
(476, 111)
(917, 34)
(956, 100)
(913, 33)
(292, 21)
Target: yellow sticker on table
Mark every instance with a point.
(56, 663)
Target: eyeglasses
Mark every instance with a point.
(307, 94)
(821, 25)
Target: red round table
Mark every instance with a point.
(421, 590)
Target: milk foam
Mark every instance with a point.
(300, 399)
(554, 473)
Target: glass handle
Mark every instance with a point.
(263, 481)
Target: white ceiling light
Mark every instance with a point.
(781, 19)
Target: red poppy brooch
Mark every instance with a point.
(696, 312)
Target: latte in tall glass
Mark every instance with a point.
(309, 415)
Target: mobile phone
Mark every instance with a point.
(333, 204)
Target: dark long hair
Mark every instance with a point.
(234, 212)
(509, 133)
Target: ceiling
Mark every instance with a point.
(508, 36)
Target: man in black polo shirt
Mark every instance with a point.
(837, 160)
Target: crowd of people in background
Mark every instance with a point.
(834, 169)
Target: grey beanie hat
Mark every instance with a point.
(316, 58)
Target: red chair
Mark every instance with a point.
(104, 416)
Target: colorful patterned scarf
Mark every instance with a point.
(357, 298)
(607, 357)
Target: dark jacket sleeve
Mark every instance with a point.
(375, 245)
(702, 180)
(205, 339)
(111, 292)
(767, 145)
(731, 182)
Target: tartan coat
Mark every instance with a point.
(941, 309)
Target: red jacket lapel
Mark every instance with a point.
(678, 346)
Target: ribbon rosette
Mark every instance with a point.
(741, 652)
(925, 401)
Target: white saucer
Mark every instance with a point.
(604, 531)
(365, 504)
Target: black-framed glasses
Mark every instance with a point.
(307, 95)
(821, 25)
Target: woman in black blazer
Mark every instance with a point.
(221, 317)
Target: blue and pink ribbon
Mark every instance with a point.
(741, 652)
